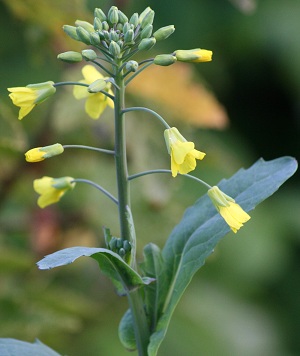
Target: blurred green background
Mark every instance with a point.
(243, 105)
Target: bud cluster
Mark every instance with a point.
(120, 246)
(116, 35)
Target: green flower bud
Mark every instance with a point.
(146, 44)
(122, 252)
(148, 19)
(113, 243)
(71, 32)
(86, 25)
(122, 17)
(89, 54)
(83, 34)
(97, 86)
(100, 14)
(147, 31)
(70, 57)
(105, 26)
(113, 15)
(119, 243)
(114, 36)
(95, 38)
(163, 32)
(164, 59)
(120, 43)
(97, 24)
(144, 13)
(194, 55)
(114, 49)
(40, 153)
(134, 19)
(126, 27)
(127, 246)
(129, 36)
(132, 66)
(120, 27)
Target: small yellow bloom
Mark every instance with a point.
(95, 102)
(194, 55)
(31, 95)
(40, 153)
(183, 153)
(231, 212)
(51, 189)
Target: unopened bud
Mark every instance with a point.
(129, 36)
(113, 15)
(40, 153)
(86, 25)
(100, 14)
(105, 26)
(70, 57)
(83, 34)
(134, 19)
(114, 49)
(132, 66)
(194, 55)
(89, 54)
(147, 31)
(122, 17)
(71, 32)
(163, 32)
(148, 19)
(114, 36)
(95, 38)
(144, 13)
(97, 86)
(146, 44)
(164, 59)
(97, 24)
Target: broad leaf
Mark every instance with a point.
(201, 228)
(122, 275)
(13, 347)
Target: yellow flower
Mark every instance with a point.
(194, 55)
(95, 102)
(40, 153)
(183, 153)
(52, 189)
(31, 95)
(231, 212)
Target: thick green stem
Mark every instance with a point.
(135, 299)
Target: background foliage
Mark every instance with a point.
(243, 105)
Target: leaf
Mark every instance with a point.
(153, 267)
(122, 275)
(201, 228)
(13, 347)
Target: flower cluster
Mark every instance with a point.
(116, 39)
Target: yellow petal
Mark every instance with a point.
(174, 167)
(198, 154)
(180, 150)
(91, 74)
(188, 165)
(80, 92)
(25, 110)
(234, 216)
(95, 105)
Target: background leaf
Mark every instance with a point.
(201, 228)
(12, 347)
(122, 275)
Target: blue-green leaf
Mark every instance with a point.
(13, 347)
(201, 228)
(122, 275)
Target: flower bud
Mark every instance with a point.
(114, 49)
(70, 57)
(146, 44)
(163, 32)
(147, 31)
(71, 32)
(132, 66)
(40, 153)
(164, 59)
(97, 86)
(86, 25)
(105, 26)
(148, 19)
(122, 17)
(134, 19)
(113, 36)
(95, 38)
(122, 252)
(129, 36)
(83, 34)
(97, 24)
(194, 55)
(120, 27)
(100, 14)
(89, 54)
(144, 13)
(126, 27)
(113, 15)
